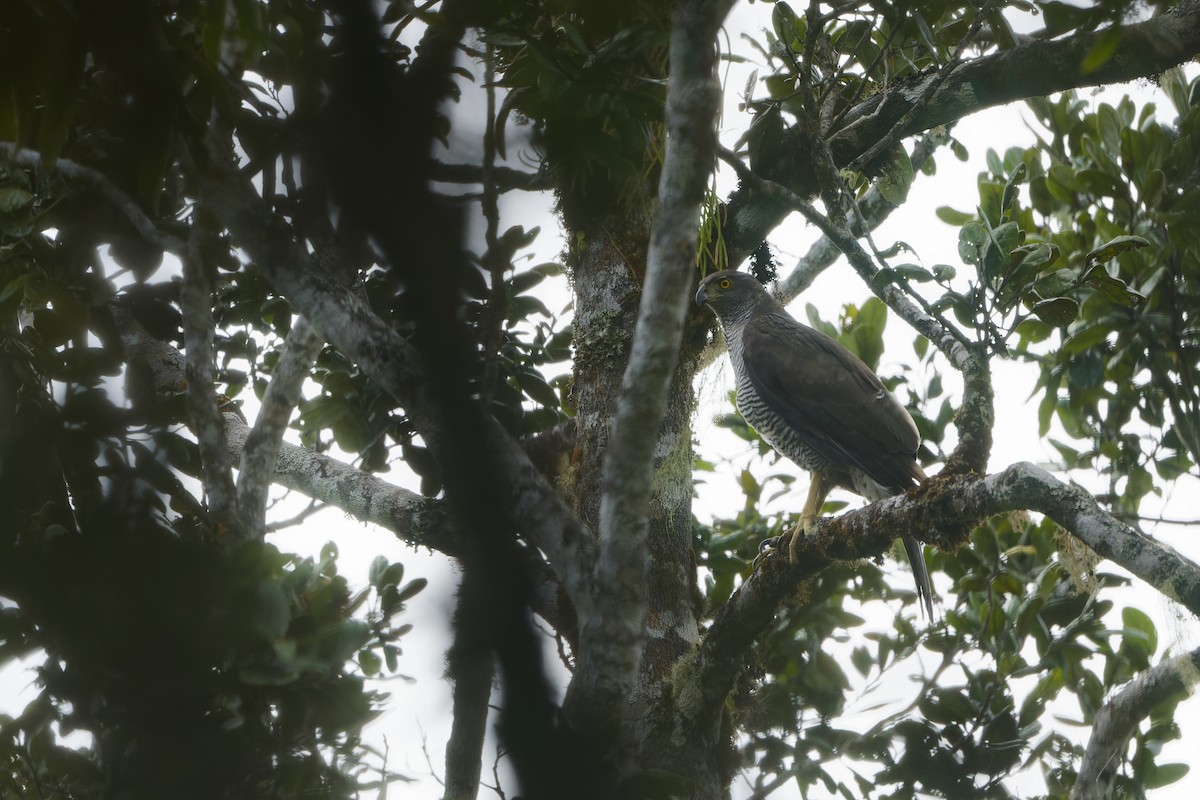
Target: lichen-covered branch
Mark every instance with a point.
(613, 635)
(195, 300)
(875, 209)
(1119, 718)
(1033, 69)
(415, 519)
(943, 511)
(260, 453)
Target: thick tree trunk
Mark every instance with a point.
(606, 274)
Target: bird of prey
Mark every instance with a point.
(816, 403)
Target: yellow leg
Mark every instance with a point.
(818, 490)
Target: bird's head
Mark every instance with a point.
(731, 294)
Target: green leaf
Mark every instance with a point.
(271, 613)
(860, 657)
(1032, 331)
(1086, 338)
(995, 165)
(814, 319)
(14, 199)
(897, 176)
(375, 572)
(925, 32)
(532, 384)
(412, 589)
(1002, 32)
(783, 19)
(391, 656)
(1056, 311)
(952, 216)
(345, 640)
(948, 705)
(1113, 248)
(884, 277)
(1166, 774)
(329, 552)
(1046, 410)
(1012, 188)
(1139, 630)
(392, 575)
(943, 273)
(1102, 51)
(970, 242)
(369, 662)
(267, 674)
(1114, 289)
(914, 272)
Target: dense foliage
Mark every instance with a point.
(158, 166)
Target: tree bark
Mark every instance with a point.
(1117, 720)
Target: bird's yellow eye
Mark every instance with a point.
(725, 283)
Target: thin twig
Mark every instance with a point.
(313, 507)
(895, 133)
(122, 202)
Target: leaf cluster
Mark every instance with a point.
(1019, 645)
(1091, 275)
(191, 669)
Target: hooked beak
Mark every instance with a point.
(701, 296)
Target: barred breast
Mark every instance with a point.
(773, 429)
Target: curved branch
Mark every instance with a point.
(1117, 720)
(943, 511)
(195, 300)
(261, 450)
(418, 520)
(97, 180)
(1033, 69)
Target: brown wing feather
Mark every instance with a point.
(832, 399)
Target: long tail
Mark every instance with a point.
(920, 573)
